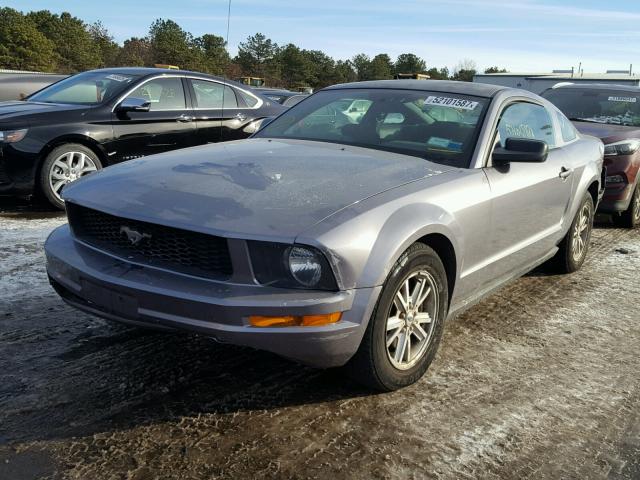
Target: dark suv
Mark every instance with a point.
(101, 117)
(612, 113)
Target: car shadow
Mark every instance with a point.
(67, 374)
(24, 207)
(112, 377)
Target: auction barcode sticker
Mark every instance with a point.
(451, 102)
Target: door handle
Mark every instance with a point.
(565, 173)
(241, 116)
(185, 118)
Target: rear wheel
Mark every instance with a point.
(404, 332)
(63, 165)
(630, 218)
(575, 245)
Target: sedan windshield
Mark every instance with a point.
(89, 88)
(440, 127)
(615, 107)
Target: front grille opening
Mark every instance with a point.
(151, 244)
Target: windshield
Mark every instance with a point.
(440, 127)
(616, 107)
(89, 88)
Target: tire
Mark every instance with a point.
(575, 245)
(386, 367)
(630, 218)
(63, 165)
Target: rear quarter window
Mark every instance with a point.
(568, 131)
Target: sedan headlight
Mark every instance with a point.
(615, 179)
(291, 266)
(305, 265)
(625, 147)
(12, 136)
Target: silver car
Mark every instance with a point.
(332, 242)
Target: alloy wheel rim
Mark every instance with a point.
(411, 320)
(69, 167)
(581, 233)
(636, 205)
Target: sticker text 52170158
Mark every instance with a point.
(451, 102)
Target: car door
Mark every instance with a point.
(220, 115)
(529, 200)
(168, 125)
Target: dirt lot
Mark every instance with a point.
(539, 381)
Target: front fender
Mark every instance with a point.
(403, 228)
(363, 246)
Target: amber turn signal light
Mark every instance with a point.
(295, 321)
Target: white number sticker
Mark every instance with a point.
(451, 102)
(623, 99)
(117, 78)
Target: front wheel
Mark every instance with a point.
(630, 218)
(575, 245)
(63, 165)
(404, 332)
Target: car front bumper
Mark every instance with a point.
(17, 171)
(109, 287)
(617, 196)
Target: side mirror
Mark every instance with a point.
(520, 150)
(133, 104)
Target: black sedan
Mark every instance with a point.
(101, 117)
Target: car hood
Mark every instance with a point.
(255, 188)
(606, 132)
(14, 109)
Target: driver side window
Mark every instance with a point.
(526, 120)
(163, 93)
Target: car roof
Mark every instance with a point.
(448, 86)
(150, 71)
(597, 86)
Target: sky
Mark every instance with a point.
(520, 35)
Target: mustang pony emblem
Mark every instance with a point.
(132, 235)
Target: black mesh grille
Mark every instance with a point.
(151, 244)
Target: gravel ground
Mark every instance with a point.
(538, 381)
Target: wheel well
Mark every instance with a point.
(444, 248)
(63, 141)
(593, 190)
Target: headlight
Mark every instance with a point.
(615, 179)
(291, 266)
(305, 266)
(625, 147)
(12, 136)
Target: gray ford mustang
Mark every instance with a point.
(333, 237)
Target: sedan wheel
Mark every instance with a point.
(410, 321)
(403, 334)
(581, 233)
(67, 168)
(64, 165)
(573, 249)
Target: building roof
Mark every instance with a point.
(3, 70)
(600, 86)
(566, 76)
